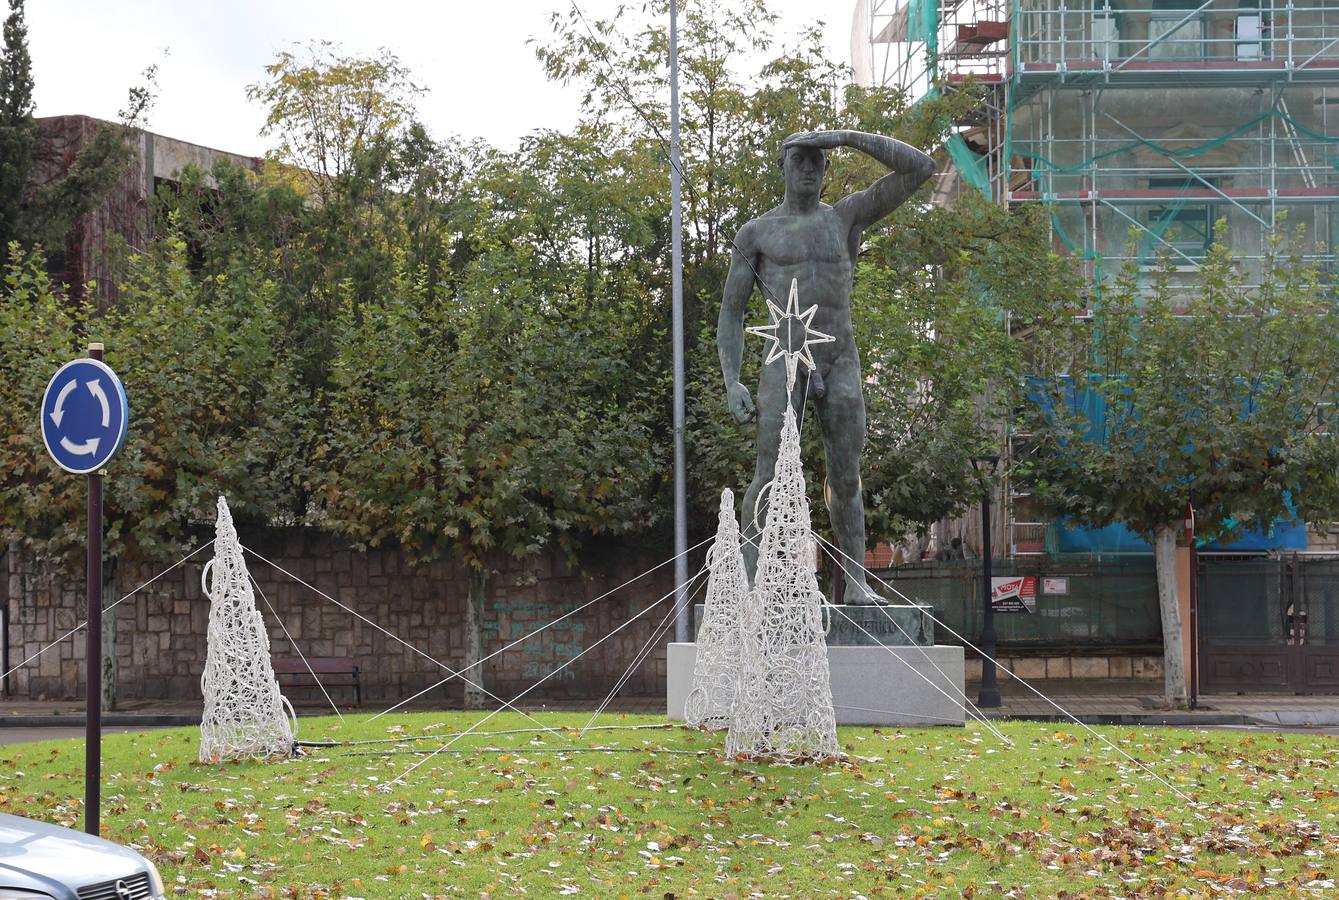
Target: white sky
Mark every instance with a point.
(482, 76)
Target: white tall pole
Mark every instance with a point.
(681, 631)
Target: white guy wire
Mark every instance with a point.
(401, 776)
(1097, 734)
(107, 608)
(640, 657)
(294, 644)
(531, 634)
(965, 704)
(395, 637)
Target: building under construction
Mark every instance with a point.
(1160, 116)
(1140, 124)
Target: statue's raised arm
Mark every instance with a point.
(910, 168)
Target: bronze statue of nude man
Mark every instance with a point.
(815, 244)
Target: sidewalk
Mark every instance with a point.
(1123, 703)
(1091, 702)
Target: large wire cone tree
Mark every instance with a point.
(783, 700)
(245, 714)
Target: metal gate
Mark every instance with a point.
(1269, 624)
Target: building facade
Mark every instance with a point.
(127, 210)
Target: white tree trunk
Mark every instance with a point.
(1169, 604)
(474, 604)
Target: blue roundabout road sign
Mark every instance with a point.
(84, 416)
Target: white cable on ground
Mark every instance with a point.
(108, 608)
(519, 751)
(408, 738)
(527, 636)
(393, 636)
(601, 640)
(245, 715)
(294, 644)
(1097, 734)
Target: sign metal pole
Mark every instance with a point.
(83, 416)
(93, 654)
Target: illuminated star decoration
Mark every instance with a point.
(792, 321)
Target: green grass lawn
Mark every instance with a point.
(935, 811)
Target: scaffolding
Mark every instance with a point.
(1140, 124)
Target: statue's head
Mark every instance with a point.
(803, 169)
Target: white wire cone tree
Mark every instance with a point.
(245, 714)
(783, 697)
(716, 671)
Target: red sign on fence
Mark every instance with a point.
(1014, 594)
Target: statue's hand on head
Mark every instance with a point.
(821, 140)
(741, 403)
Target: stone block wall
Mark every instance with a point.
(159, 633)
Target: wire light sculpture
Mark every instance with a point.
(783, 699)
(716, 670)
(245, 714)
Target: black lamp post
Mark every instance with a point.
(989, 696)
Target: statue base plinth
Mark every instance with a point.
(870, 626)
(871, 685)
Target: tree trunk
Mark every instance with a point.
(108, 649)
(1169, 604)
(474, 673)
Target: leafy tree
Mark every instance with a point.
(39, 505)
(495, 425)
(17, 129)
(215, 407)
(1218, 395)
(940, 298)
(326, 107)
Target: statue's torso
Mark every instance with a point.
(815, 250)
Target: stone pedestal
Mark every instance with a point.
(871, 685)
(865, 626)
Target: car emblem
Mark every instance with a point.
(123, 891)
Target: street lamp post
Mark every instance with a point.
(989, 695)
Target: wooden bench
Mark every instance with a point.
(331, 671)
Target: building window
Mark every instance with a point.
(1250, 32)
(1106, 35)
(1171, 34)
(1183, 225)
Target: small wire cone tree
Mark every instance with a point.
(245, 714)
(716, 671)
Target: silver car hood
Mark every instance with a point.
(66, 856)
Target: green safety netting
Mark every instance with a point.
(923, 22)
(971, 166)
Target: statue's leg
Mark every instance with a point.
(771, 413)
(841, 413)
